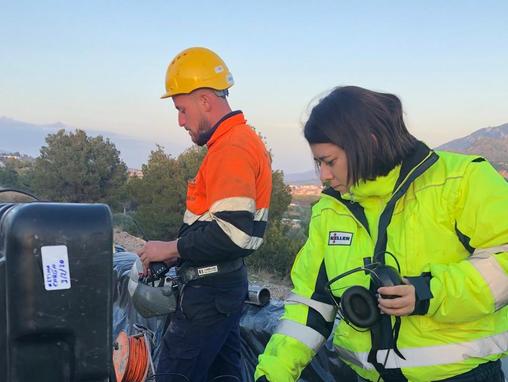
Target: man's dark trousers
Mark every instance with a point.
(202, 342)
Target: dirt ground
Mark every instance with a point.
(278, 288)
(129, 242)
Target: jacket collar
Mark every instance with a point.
(223, 126)
(412, 167)
(387, 185)
(381, 187)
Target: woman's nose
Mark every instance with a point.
(325, 173)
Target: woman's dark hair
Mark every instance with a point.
(367, 125)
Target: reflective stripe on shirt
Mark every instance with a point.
(326, 310)
(494, 275)
(431, 355)
(308, 336)
(237, 203)
(234, 204)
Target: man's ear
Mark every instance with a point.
(205, 102)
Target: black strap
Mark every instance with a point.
(188, 273)
(418, 163)
(382, 336)
(396, 331)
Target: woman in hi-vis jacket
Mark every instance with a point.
(407, 245)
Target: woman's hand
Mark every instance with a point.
(403, 301)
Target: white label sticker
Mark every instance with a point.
(340, 238)
(208, 270)
(55, 264)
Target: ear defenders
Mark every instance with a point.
(358, 305)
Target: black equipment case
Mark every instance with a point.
(55, 292)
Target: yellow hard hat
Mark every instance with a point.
(196, 68)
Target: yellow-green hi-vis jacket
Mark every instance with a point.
(449, 233)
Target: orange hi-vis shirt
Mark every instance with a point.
(228, 200)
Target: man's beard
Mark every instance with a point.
(203, 133)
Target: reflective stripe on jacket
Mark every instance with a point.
(228, 200)
(451, 223)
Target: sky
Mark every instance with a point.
(100, 64)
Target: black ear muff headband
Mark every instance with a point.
(358, 305)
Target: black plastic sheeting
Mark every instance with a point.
(256, 327)
(124, 314)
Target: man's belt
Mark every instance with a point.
(188, 273)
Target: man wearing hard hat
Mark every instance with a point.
(226, 216)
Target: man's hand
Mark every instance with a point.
(154, 251)
(403, 303)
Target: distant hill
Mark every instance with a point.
(23, 137)
(27, 138)
(465, 143)
(490, 142)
